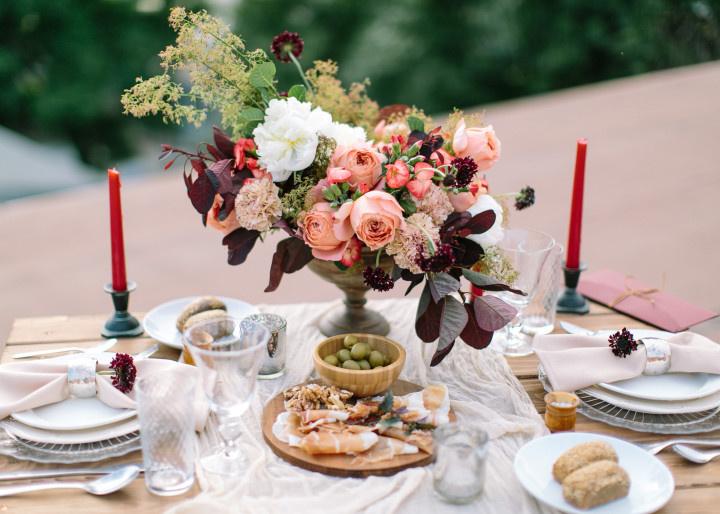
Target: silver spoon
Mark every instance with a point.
(105, 485)
(656, 447)
(695, 455)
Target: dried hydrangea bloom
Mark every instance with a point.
(409, 240)
(257, 205)
(436, 204)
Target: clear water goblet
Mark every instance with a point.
(527, 252)
(229, 353)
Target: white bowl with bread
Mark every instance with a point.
(590, 473)
(166, 322)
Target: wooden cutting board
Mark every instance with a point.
(340, 465)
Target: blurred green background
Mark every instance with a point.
(64, 64)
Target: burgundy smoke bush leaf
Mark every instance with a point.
(453, 224)
(290, 255)
(491, 313)
(467, 252)
(227, 206)
(223, 143)
(240, 243)
(415, 279)
(188, 181)
(427, 325)
(454, 319)
(217, 154)
(472, 334)
(198, 165)
(440, 354)
(285, 226)
(202, 192)
(487, 282)
(481, 222)
(442, 285)
(222, 171)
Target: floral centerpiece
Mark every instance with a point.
(348, 182)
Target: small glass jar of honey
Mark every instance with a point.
(560, 411)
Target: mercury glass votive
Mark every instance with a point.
(460, 459)
(273, 364)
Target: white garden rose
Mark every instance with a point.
(345, 135)
(288, 137)
(496, 232)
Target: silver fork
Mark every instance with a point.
(105, 345)
(656, 447)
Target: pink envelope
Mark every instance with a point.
(632, 297)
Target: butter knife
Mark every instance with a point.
(28, 474)
(105, 345)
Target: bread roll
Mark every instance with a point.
(596, 484)
(203, 316)
(582, 455)
(206, 303)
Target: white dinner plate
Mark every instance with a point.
(89, 435)
(73, 414)
(159, 323)
(655, 406)
(651, 483)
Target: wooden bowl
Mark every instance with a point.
(361, 382)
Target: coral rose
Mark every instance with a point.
(461, 202)
(375, 217)
(420, 185)
(225, 226)
(338, 175)
(326, 231)
(362, 161)
(397, 174)
(480, 143)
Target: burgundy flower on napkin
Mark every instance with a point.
(125, 372)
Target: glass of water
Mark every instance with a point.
(167, 431)
(461, 456)
(539, 315)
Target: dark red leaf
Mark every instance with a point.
(455, 222)
(202, 192)
(481, 222)
(198, 165)
(219, 156)
(467, 252)
(188, 182)
(427, 325)
(454, 319)
(222, 171)
(440, 354)
(290, 255)
(240, 242)
(442, 284)
(223, 143)
(415, 279)
(487, 282)
(472, 334)
(285, 226)
(492, 313)
(227, 206)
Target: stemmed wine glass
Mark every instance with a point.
(527, 251)
(229, 352)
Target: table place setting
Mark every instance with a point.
(463, 399)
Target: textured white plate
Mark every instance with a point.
(89, 435)
(159, 323)
(73, 414)
(655, 406)
(651, 483)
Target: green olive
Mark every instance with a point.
(343, 355)
(376, 359)
(332, 360)
(349, 341)
(351, 364)
(360, 351)
(387, 360)
(364, 364)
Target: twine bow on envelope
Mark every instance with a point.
(645, 294)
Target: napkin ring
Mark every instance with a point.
(658, 356)
(81, 377)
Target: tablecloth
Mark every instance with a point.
(483, 392)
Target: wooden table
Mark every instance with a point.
(697, 487)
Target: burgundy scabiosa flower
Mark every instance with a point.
(525, 198)
(622, 343)
(466, 169)
(378, 279)
(125, 372)
(441, 260)
(286, 43)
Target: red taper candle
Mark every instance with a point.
(117, 243)
(573, 245)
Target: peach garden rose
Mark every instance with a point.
(363, 163)
(326, 231)
(480, 143)
(375, 217)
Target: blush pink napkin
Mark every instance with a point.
(573, 362)
(26, 385)
(658, 308)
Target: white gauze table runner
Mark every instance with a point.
(483, 392)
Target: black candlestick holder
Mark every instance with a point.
(122, 323)
(570, 300)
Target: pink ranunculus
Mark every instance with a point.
(225, 226)
(338, 175)
(324, 232)
(362, 161)
(375, 217)
(397, 174)
(420, 185)
(461, 202)
(480, 143)
(353, 252)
